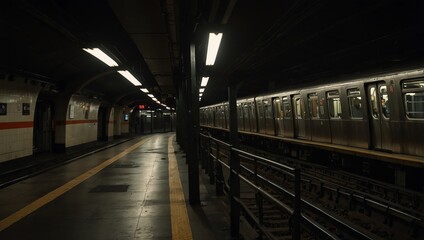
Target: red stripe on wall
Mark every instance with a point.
(68, 122)
(13, 125)
(80, 121)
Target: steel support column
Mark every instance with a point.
(193, 127)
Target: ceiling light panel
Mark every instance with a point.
(213, 46)
(99, 54)
(129, 77)
(204, 81)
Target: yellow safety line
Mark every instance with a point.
(179, 218)
(25, 211)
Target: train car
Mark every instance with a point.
(383, 112)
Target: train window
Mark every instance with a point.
(355, 103)
(413, 95)
(384, 101)
(298, 108)
(334, 104)
(413, 84)
(267, 109)
(374, 103)
(313, 105)
(286, 108)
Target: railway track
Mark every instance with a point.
(349, 206)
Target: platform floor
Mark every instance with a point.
(120, 193)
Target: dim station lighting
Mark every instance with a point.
(99, 54)
(144, 90)
(129, 77)
(213, 46)
(204, 81)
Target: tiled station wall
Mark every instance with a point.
(17, 105)
(81, 121)
(18, 98)
(125, 124)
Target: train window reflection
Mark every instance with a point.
(313, 105)
(355, 103)
(374, 103)
(413, 84)
(413, 96)
(334, 104)
(286, 108)
(384, 100)
(414, 104)
(298, 107)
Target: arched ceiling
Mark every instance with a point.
(267, 45)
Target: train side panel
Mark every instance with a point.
(408, 134)
(318, 113)
(357, 126)
(288, 122)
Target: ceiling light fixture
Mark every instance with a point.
(213, 46)
(201, 90)
(99, 54)
(151, 95)
(144, 90)
(204, 81)
(129, 77)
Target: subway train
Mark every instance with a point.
(383, 112)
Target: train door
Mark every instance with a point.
(269, 117)
(43, 127)
(278, 113)
(299, 117)
(287, 118)
(378, 101)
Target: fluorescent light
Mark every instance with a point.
(151, 95)
(168, 108)
(154, 99)
(213, 46)
(99, 54)
(144, 90)
(201, 90)
(129, 77)
(200, 94)
(204, 81)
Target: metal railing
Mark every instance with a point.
(213, 152)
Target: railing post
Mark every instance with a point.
(296, 217)
(211, 167)
(219, 176)
(235, 194)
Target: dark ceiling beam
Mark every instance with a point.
(119, 98)
(79, 83)
(53, 23)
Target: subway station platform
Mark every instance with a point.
(135, 190)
